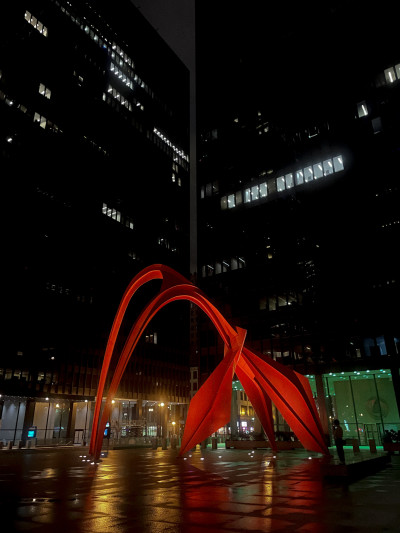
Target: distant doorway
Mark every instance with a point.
(78, 436)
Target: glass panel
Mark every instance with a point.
(362, 109)
(397, 67)
(247, 197)
(387, 400)
(254, 192)
(239, 198)
(289, 181)
(263, 190)
(308, 174)
(390, 75)
(280, 183)
(328, 167)
(338, 163)
(299, 177)
(231, 201)
(317, 171)
(272, 303)
(218, 268)
(234, 263)
(340, 404)
(202, 191)
(224, 202)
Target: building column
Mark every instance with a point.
(396, 385)
(234, 415)
(139, 409)
(323, 415)
(71, 420)
(28, 419)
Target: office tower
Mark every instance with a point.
(95, 172)
(299, 218)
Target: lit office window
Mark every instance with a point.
(328, 167)
(338, 163)
(263, 190)
(202, 192)
(43, 90)
(280, 183)
(224, 202)
(299, 177)
(254, 192)
(318, 173)
(308, 174)
(397, 69)
(239, 198)
(362, 109)
(218, 267)
(289, 181)
(247, 196)
(390, 75)
(234, 263)
(40, 119)
(231, 201)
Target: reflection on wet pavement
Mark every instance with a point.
(209, 490)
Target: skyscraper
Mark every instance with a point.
(299, 214)
(95, 167)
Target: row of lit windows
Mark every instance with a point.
(120, 98)
(276, 301)
(287, 181)
(162, 241)
(96, 146)
(210, 189)
(44, 122)
(219, 267)
(33, 21)
(116, 215)
(121, 76)
(165, 139)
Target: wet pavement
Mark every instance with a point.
(143, 490)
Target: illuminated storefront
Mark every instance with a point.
(363, 400)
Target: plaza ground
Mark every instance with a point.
(145, 490)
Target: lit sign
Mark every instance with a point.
(32, 432)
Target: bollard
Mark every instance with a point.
(372, 445)
(154, 444)
(214, 443)
(164, 444)
(356, 445)
(10, 445)
(21, 444)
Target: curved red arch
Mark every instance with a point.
(209, 409)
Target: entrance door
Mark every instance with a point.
(78, 436)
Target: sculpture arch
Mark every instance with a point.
(262, 378)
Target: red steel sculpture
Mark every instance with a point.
(263, 379)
